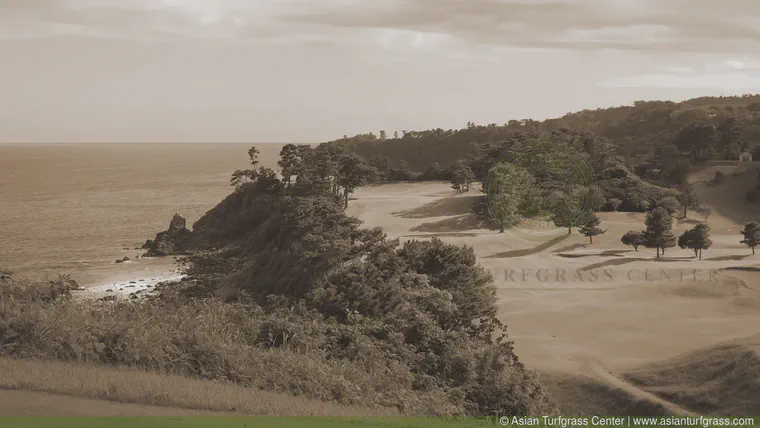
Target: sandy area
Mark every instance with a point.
(139, 275)
(635, 310)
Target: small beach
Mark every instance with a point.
(126, 278)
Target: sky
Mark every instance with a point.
(315, 70)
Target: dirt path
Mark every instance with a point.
(599, 371)
(27, 403)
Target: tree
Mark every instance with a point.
(566, 211)
(670, 204)
(383, 135)
(659, 233)
(696, 139)
(324, 167)
(511, 195)
(353, 173)
(403, 172)
(384, 167)
(615, 203)
(634, 239)
(751, 234)
(395, 135)
(591, 228)
(729, 142)
(433, 172)
(705, 212)
(462, 178)
(242, 176)
(253, 154)
(290, 162)
(673, 166)
(688, 199)
(696, 239)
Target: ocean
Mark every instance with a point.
(76, 208)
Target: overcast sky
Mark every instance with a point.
(314, 70)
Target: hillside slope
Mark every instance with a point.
(636, 130)
(721, 380)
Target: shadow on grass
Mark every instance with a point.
(529, 251)
(444, 235)
(727, 258)
(608, 253)
(455, 224)
(440, 208)
(570, 248)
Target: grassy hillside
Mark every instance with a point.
(721, 380)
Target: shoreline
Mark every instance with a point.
(123, 280)
(128, 287)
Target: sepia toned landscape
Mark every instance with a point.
(325, 270)
(380, 214)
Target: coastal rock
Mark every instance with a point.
(162, 246)
(119, 261)
(170, 242)
(177, 225)
(147, 244)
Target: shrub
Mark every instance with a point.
(315, 306)
(670, 204)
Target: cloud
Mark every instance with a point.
(675, 25)
(696, 26)
(731, 75)
(141, 19)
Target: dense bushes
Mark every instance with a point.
(287, 293)
(634, 193)
(291, 348)
(637, 132)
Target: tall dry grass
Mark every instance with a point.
(208, 339)
(140, 387)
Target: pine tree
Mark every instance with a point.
(591, 228)
(511, 195)
(697, 239)
(751, 234)
(634, 239)
(462, 178)
(659, 233)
